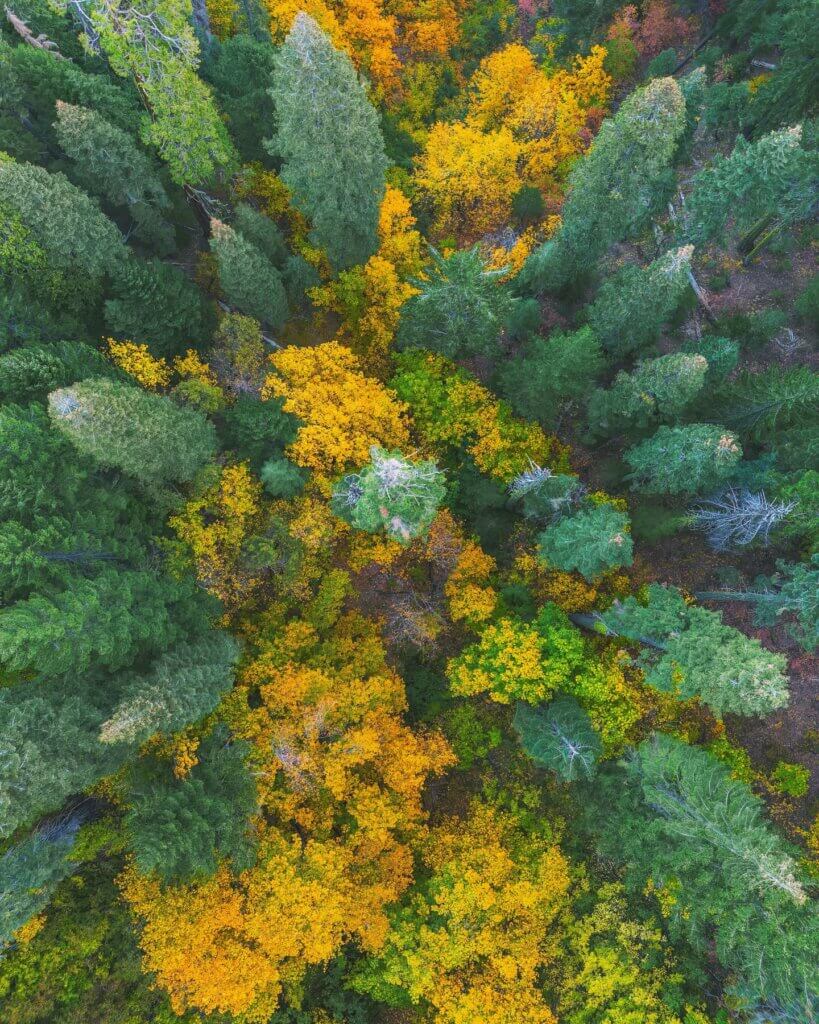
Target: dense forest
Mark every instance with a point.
(409, 512)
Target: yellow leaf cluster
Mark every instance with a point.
(470, 596)
(480, 932)
(212, 528)
(450, 408)
(343, 412)
(137, 361)
(546, 110)
(468, 177)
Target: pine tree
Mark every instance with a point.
(658, 389)
(336, 177)
(772, 179)
(108, 163)
(391, 494)
(615, 186)
(107, 620)
(153, 303)
(776, 399)
(689, 651)
(145, 435)
(550, 373)
(676, 817)
(683, 460)
(250, 281)
(632, 306)
(183, 828)
(30, 373)
(792, 590)
(559, 736)
(67, 224)
(460, 307)
(591, 541)
(181, 686)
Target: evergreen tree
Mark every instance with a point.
(41, 724)
(792, 590)
(156, 47)
(182, 828)
(282, 478)
(391, 494)
(691, 652)
(145, 435)
(336, 176)
(559, 736)
(771, 178)
(240, 73)
(153, 303)
(658, 389)
(546, 496)
(677, 817)
(262, 232)
(108, 620)
(67, 224)
(30, 373)
(30, 872)
(615, 186)
(181, 686)
(683, 460)
(550, 373)
(459, 309)
(108, 164)
(762, 404)
(632, 306)
(250, 281)
(591, 541)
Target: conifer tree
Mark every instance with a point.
(391, 494)
(615, 186)
(107, 620)
(677, 817)
(155, 46)
(66, 223)
(29, 373)
(550, 373)
(108, 164)
(145, 435)
(336, 176)
(658, 389)
(631, 307)
(772, 177)
(460, 307)
(689, 651)
(30, 872)
(181, 686)
(250, 281)
(683, 460)
(592, 540)
(559, 736)
(182, 828)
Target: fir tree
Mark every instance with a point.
(591, 541)
(683, 460)
(559, 736)
(615, 186)
(250, 281)
(678, 818)
(550, 373)
(632, 306)
(145, 435)
(658, 389)
(691, 652)
(459, 309)
(108, 164)
(336, 177)
(182, 828)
